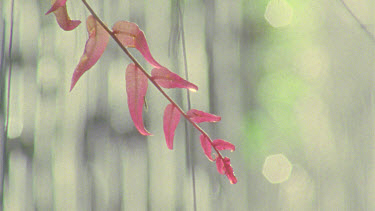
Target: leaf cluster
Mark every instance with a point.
(128, 35)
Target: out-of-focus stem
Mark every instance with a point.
(189, 143)
(5, 134)
(369, 34)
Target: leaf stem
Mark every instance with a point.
(125, 50)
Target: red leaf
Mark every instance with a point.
(171, 119)
(95, 46)
(167, 79)
(62, 17)
(136, 88)
(220, 165)
(206, 145)
(224, 167)
(130, 35)
(56, 5)
(64, 20)
(229, 171)
(223, 145)
(200, 116)
(142, 46)
(126, 32)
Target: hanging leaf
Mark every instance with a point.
(62, 17)
(206, 145)
(95, 46)
(171, 119)
(136, 88)
(167, 79)
(220, 165)
(64, 20)
(131, 36)
(200, 116)
(223, 145)
(224, 167)
(142, 46)
(229, 171)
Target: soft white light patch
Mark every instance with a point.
(278, 13)
(277, 168)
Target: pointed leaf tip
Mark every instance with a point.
(223, 145)
(206, 145)
(167, 79)
(171, 119)
(130, 35)
(200, 116)
(94, 48)
(62, 17)
(57, 4)
(136, 88)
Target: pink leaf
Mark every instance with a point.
(130, 35)
(171, 119)
(200, 116)
(229, 171)
(223, 145)
(142, 46)
(206, 145)
(126, 32)
(224, 167)
(220, 165)
(168, 79)
(136, 88)
(95, 46)
(62, 17)
(64, 20)
(56, 5)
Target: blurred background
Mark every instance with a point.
(292, 80)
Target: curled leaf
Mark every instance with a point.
(130, 35)
(95, 46)
(206, 145)
(168, 79)
(224, 167)
(136, 88)
(171, 119)
(223, 145)
(62, 17)
(229, 171)
(200, 116)
(64, 20)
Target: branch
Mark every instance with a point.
(125, 50)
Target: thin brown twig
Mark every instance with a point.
(123, 48)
